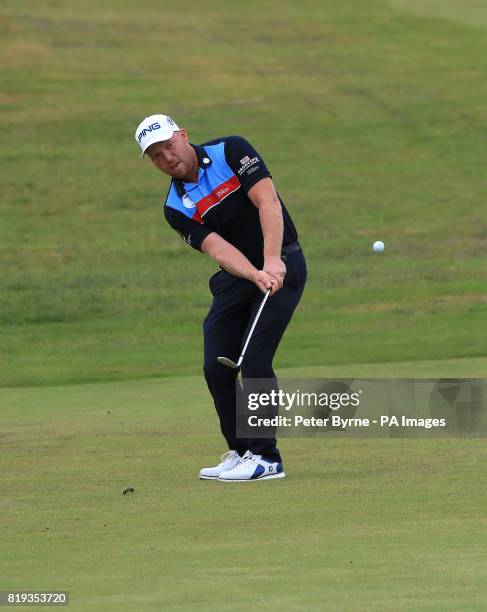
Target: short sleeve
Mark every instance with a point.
(192, 232)
(244, 160)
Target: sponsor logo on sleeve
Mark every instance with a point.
(186, 239)
(247, 163)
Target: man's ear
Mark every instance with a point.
(184, 134)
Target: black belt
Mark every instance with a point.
(292, 247)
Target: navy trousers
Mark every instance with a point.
(235, 304)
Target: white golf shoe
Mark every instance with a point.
(228, 462)
(253, 467)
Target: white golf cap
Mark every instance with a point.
(154, 128)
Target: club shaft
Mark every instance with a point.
(253, 326)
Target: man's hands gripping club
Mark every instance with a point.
(272, 276)
(233, 261)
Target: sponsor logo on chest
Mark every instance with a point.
(215, 197)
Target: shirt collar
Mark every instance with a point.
(203, 162)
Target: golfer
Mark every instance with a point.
(223, 203)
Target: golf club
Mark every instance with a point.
(228, 362)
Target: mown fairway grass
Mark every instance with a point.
(376, 524)
(371, 116)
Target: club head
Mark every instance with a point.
(227, 362)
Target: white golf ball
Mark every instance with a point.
(378, 246)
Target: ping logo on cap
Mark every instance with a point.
(150, 128)
(155, 128)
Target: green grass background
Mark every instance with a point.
(376, 524)
(372, 118)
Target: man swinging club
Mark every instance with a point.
(222, 202)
